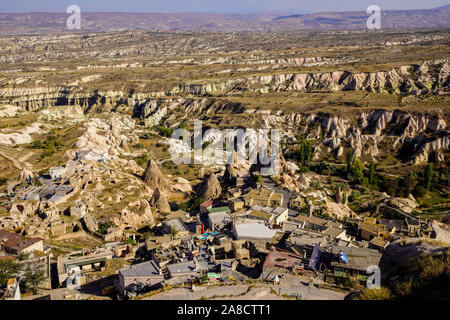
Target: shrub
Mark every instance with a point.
(165, 132)
(420, 191)
(375, 294)
(139, 146)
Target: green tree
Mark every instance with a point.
(419, 191)
(428, 176)
(344, 198)
(8, 269)
(33, 276)
(22, 256)
(372, 173)
(357, 170)
(304, 152)
(407, 184)
(174, 232)
(350, 155)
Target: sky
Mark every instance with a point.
(235, 6)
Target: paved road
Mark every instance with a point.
(290, 285)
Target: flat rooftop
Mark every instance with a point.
(145, 269)
(358, 258)
(176, 224)
(308, 238)
(282, 259)
(181, 268)
(256, 231)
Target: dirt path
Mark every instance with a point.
(291, 286)
(14, 162)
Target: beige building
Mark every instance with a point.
(263, 197)
(369, 229)
(147, 273)
(15, 244)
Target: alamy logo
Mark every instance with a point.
(374, 21)
(74, 20)
(216, 147)
(374, 280)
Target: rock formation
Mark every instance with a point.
(182, 185)
(338, 197)
(209, 188)
(160, 201)
(154, 178)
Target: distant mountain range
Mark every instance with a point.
(35, 23)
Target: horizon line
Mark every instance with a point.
(221, 12)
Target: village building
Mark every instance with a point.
(315, 223)
(279, 262)
(59, 227)
(236, 204)
(395, 226)
(179, 214)
(12, 291)
(146, 273)
(351, 261)
(241, 249)
(281, 214)
(182, 272)
(263, 197)
(337, 234)
(152, 243)
(369, 229)
(378, 244)
(15, 244)
(291, 224)
(176, 225)
(206, 206)
(75, 263)
(245, 229)
(57, 172)
(260, 215)
(272, 216)
(413, 226)
(303, 242)
(218, 220)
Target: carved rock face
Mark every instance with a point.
(210, 188)
(154, 178)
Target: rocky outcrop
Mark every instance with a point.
(431, 76)
(303, 182)
(110, 137)
(403, 131)
(154, 178)
(441, 232)
(137, 214)
(181, 185)
(432, 148)
(160, 201)
(339, 195)
(209, 188)
(400, 253)
(19, 136)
